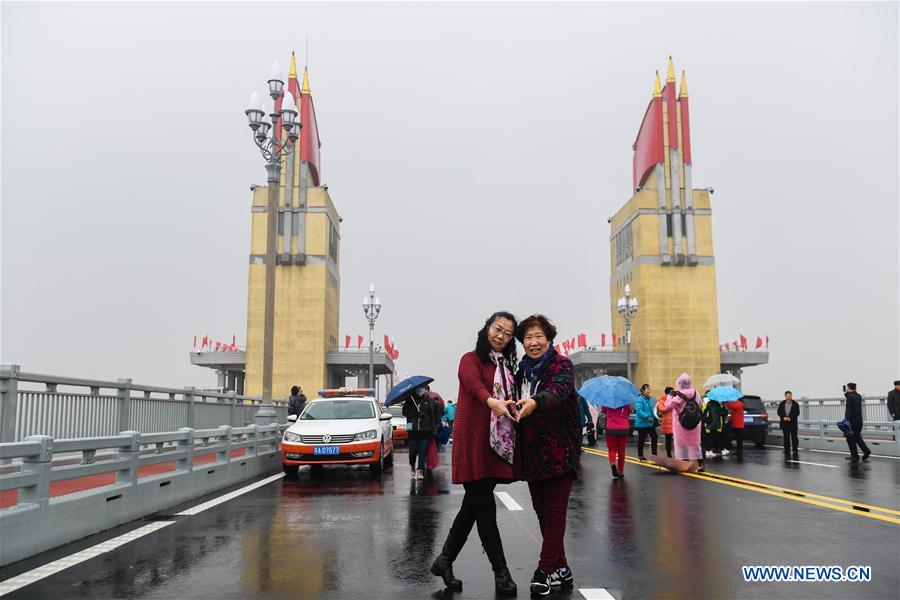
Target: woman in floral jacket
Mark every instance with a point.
(549, 441)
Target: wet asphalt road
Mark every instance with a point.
(350, 534)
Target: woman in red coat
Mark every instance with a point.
(485, 386)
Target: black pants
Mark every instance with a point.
(478, 507)
(738, 435)
(643, 432)
(715, 441)
(670, 441)
(790, 438)
(856, 440)
(418, 451)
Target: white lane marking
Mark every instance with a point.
(230, 495)
(596, 594)
(19, 581)
(508, 501)
(803, 462)
(14, 583)
(835, 452)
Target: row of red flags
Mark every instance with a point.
(580, 341)
(388, 346)
(743, 344)
(216, 345)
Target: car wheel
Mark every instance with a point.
(290, 470)
(378, 466)
(389, 461)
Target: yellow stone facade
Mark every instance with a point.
(676, 328)
(307, 296)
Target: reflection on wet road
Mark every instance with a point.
(346, 533)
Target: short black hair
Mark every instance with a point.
(851, 386)
(646, 386)
(897, 382)
(668, 390)
(789, 392)
(295, 390)
(536, 321)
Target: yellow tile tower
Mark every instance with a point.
(307, 273)
(661, 245)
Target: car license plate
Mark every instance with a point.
(748, 419)
(320, 450)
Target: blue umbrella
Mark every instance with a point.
(406, 386)
(609, 390)
(724, 393)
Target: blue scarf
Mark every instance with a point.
(531, 368)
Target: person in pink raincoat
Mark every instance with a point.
(687, 441)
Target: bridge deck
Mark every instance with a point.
(348, 534)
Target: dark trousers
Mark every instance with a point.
(550, 499)
(856, 440)
(450, 424)
(670, 441)
(479, 507)
(738, 435)
(418, 450)
(643, 432)
(790, 439)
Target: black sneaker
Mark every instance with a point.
(540, 584)
(866, 455)
(562, 577)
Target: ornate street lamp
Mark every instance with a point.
(371, 308)
(627, 307)
(274, 151)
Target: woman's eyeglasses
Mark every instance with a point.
(499, 331)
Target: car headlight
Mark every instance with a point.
(366, 435)
(291, 437)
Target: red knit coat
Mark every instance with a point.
(473, 458)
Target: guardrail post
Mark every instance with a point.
(187, 445)
(9, 397)
(253, 436)
(130, 450)
(124, 394)
(38, 493)
(897, 436)
(804, 410)
(232, 407)
(189, 396)
(224, 454)
(822, 424)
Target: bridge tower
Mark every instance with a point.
(307, 273)
(661, 244)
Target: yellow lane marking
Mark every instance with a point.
(854, 508)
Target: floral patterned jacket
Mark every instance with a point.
(549, 439)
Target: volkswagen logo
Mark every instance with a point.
(326, 439)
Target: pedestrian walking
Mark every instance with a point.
(714, 422)
(450, 415)
(665, 420)
(617, 432)
(737, 425)
(475, 465)
(645, 421)
(685, 402)
(550, 442)
(893, 401)
(423, 415)
(297, 401)
(853, 412)
(788, 414)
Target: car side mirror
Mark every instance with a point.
(292, 418)
(386, 417)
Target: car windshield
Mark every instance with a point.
(396, 411)
(338, 409)
(753, 404)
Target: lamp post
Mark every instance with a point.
(273, 151)
(627, 307)
(371, 308)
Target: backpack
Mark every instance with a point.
(689, 417)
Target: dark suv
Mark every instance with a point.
(756, 421)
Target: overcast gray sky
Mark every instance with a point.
(474, 152)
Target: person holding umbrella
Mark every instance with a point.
(485, 389)
(549, 440)
(685, 402)
(423, 415)
(613, 395)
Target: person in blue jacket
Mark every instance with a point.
(645, 421)
(450, 414)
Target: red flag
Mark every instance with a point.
(614, 340)
(758, 342)
(556, 347)
(218, 345)
(565, 346)
(572, 344)
(736, 345)
(767, 342)
(233, 340)
(346, 341)
(359, 341)
(387, 344)
(602, 340)
(195, 342)
(205, 342)
(743, 342)
(582, 340)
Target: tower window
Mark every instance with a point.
(623, 245)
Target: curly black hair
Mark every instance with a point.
(483, 346)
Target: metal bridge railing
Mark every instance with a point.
(69, 407)
(34, 522)
(832, 409)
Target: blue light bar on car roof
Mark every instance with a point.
(347, 392)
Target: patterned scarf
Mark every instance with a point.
(532, 367)
(502, 435)
(503, 378)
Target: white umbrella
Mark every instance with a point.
(721, 379)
